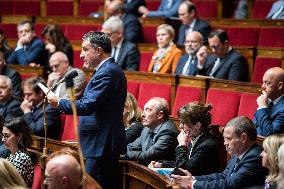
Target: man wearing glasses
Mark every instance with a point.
(30, 49)
(224, 62)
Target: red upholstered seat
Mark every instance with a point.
(78, 62)
(149, 33)
(26, 7)
(248, 105)
(184, 95)
(271, 37)
(153, 5)
(261, 8)
(261, 65)
(206, 8)
(243, 36)
(88, 6)
(133, 88)
(225, 105)
(149, 90)
(6, 7)
(37, 177)
(76, 31)
(59, 8)
(67, 128)
(10, 30)
(145, 61)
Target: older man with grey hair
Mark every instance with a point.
(125, 53)
(9, 106)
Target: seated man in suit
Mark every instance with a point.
(32, 106)
(269, 117)
(190, 22)
(12, 74)
(277, 10)
(133, 31)
(244, 169)
(30, 49)
(9, 106)
(125, 53)
(167, 9)
(131, 6)
(225, 62)
(187, 64)
(59, 64)
(159, 137)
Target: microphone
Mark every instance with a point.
(69, 76)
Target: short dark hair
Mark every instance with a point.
(163, 106)
(33, 81)
(242, 125)
(18, 126)
(221, 34)
(27, 22)
(190, 6)
(97, 38)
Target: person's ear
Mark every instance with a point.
(244, 137)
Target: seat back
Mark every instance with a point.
(67, 128)
(206, 8)
(248, 105)
(261, 8)
(237, 37)
(271, 37)
(146, 58)
(37, 177)
(59, 8)
(133, 88)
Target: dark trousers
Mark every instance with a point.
(105, 170)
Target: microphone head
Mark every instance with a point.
(71, 75)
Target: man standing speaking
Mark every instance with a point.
(101, 130)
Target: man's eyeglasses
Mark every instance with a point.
(49, 179)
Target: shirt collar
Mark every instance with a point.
(192, 23)
(277, 99)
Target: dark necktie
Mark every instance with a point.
(150, 139)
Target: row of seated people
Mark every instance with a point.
(209, 8)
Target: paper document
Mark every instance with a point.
(45, 90)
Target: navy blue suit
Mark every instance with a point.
(200, 25)
(181, 63)
(15, 78)
(164, 11)
(132, 28)
(248, 172)
(270, 120)
(10, 108)
(129, 56)
(232, 67)
(101, 130)
(132, 6)
(34, 52)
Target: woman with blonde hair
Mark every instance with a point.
(9, 177)
(131, 119)
(271, 145)
(280, 177)
(166, 57)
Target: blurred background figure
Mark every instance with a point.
(17, 136)
(56, 41)
(166, 57)
(4, 152)
(4, 48)
(277, 10)
(271, 144)
(132, 119)
(280, 178)
(195, 142)
(9, 177)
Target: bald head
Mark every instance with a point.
(193, 42)
(273, 80)
(59, 63)
(65, 167)
(115, 8)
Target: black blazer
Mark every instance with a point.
(200, 25)
(232, 67)
(133, 132)
(181, 63)
(129, 56)
(11, 108)
(133, 31)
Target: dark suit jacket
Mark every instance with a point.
(129, 56)
(15, 78)
(181, 63)
(248, 172)
(11, 108)
(164, 11)
(101, 127)
(270, 120)
(232, 67)
(200, 25)
(35, 121)
(133, 31)
(34, 52)
(163, 147)
(133, 132)
(132, 6)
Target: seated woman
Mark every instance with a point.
(16, 135)
(9, 177)
(201, 155)
(271, 144)
(56, 41)
(131, 119)
(166, 57)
